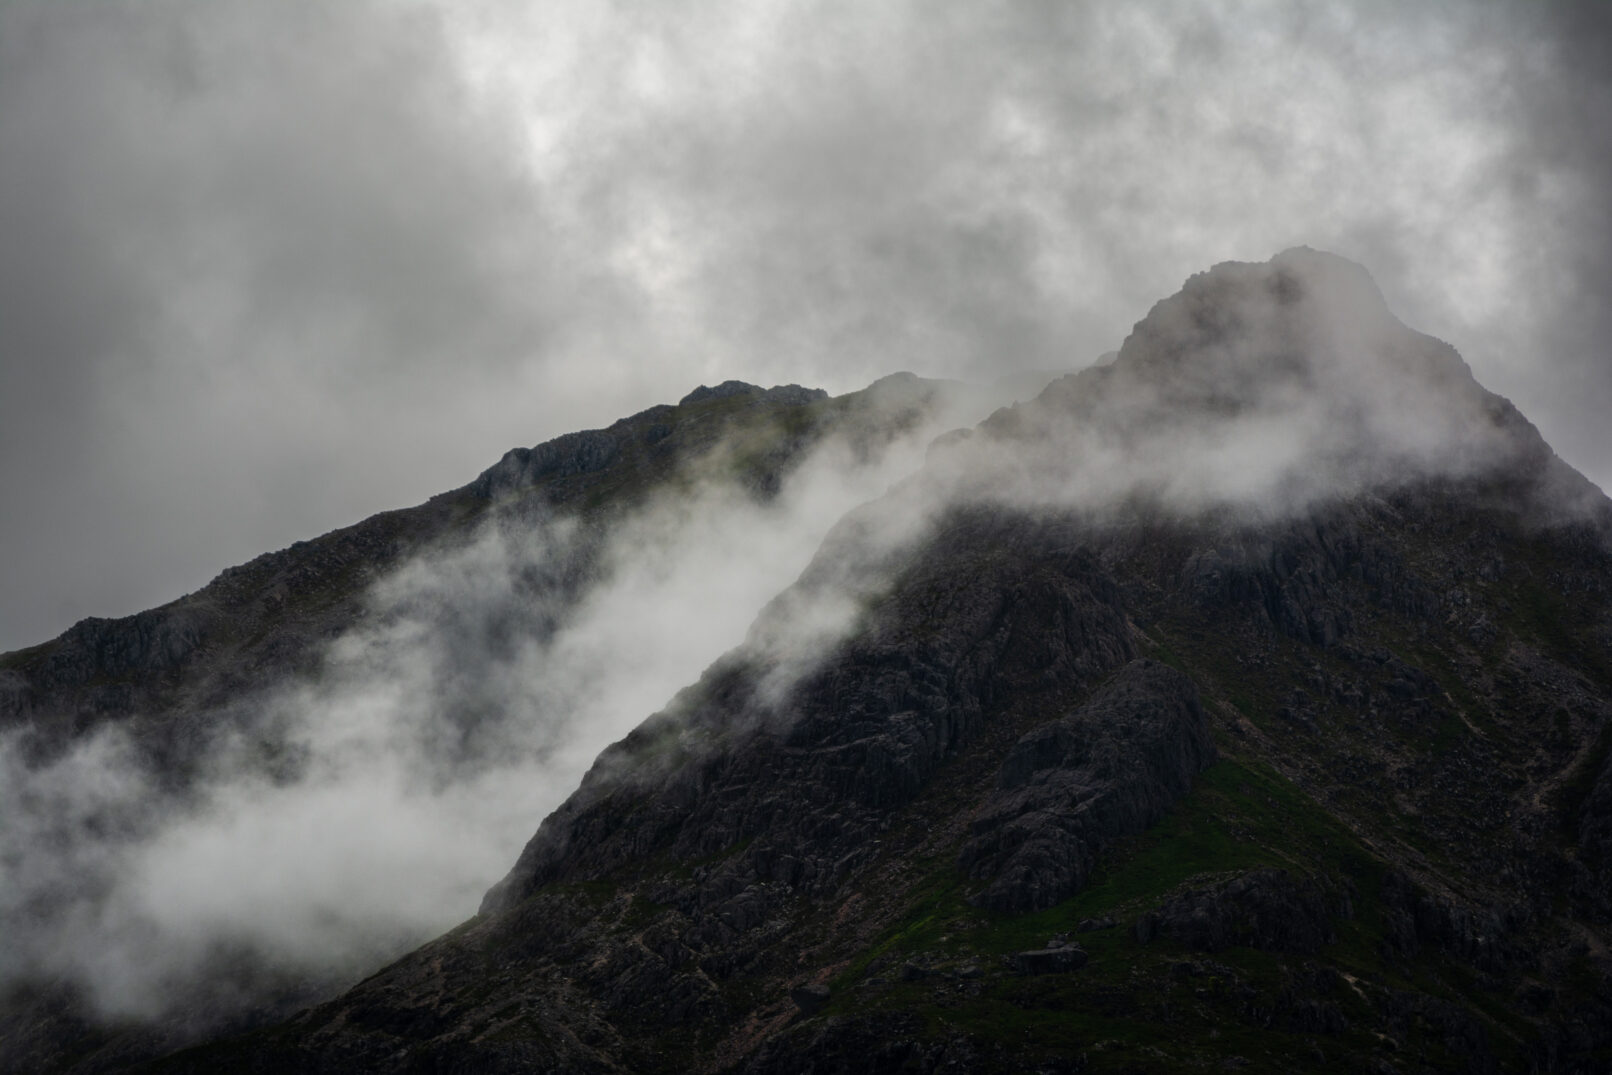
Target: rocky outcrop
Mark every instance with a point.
(562, 457)
(646, 441)
(1483, 937)
(996, 606)
(266, 618)
(1335, 753)
(149, 642)
(1266, 909)
(789, 394)
(1594, 832)
(1071, 787)
(1295, 574)
(182, 678)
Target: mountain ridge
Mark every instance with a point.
(161, 639)
(1242, 700)
(118, 734)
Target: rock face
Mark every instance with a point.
(184, 677)
(260, 621)
(1594, 836)
(1327, 736)
(1071, 787)
(791, 394)
(1264, 909)
(993, 608)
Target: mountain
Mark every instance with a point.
(210, 806)
(263, 620)
(1243, 702)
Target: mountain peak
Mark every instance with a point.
(1330, 732)
(781, 393)
(1302, 302)
(1275, 383)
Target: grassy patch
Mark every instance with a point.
(1238, 816)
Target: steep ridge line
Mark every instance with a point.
(1408, 624)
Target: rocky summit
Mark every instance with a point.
(1241, 703)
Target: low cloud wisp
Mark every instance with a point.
(341, 819)
(344, 818)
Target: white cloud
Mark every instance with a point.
(343, 818)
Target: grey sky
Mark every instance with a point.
(272, 265)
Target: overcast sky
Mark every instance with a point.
(269, 266)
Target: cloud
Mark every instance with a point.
(339, 819)
(273, 266)
(1263, 388)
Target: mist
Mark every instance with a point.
(341, 819)
(1256, 394)
(1261, 389)
(275, 266)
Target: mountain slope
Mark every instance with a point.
(345, 704)
(1241, 703)
(260, 620)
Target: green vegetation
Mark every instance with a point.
(1135, 1005)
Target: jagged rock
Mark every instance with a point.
(1414, 918)
(792, 394)
(1595, 843)
(562, 457)
(1071, 787)
(148, 642)
(868, 730)
(1264, 909)
(1409, 669)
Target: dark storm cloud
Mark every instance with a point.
(271, 266)
(240, 239)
